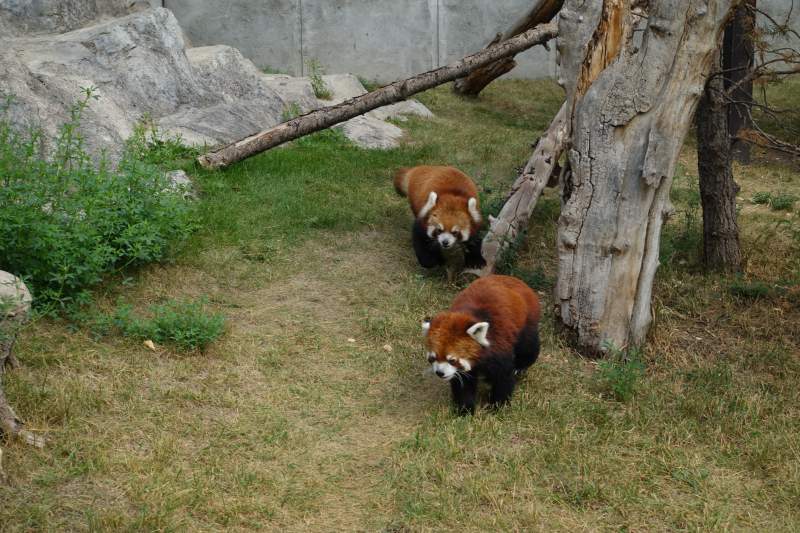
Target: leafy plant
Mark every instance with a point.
(761, 197)
(291, 111)
(752, 290)
(315, 73)
(621, 372)
(187, 325)
(782, 201)
(67, 221)
(369, 85)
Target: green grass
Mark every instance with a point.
(299, 418)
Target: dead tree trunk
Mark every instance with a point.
(471, 85)
(717, 188)
(633, 80)
(517, 210)
(395, 92)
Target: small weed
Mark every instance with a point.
(291, 111)
(315, 73)
(272, 70)
(761, 198)
(751, 290)
(782, 201)
(185, 324)
(621, 372)
(369, 85)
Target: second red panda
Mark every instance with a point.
(490, 331)
(444, 201)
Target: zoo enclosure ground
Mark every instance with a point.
(300, 419)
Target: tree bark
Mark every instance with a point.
(737, 62)
(717, 188)
(517, 210)
(399, 90)
(471, 85)
(634, 79)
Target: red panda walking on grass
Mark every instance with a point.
(444, 201)
(490, 331)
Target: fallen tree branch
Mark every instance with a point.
(395, 92)
(516, 212)
(473, 83)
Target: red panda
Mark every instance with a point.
(490, 331)
(444, 201)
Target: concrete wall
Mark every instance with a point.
(381, 40)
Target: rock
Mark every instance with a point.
(232, 76)
(58, 16)
(401, 110)
(342, 87)
(15, 307)
(370, 132)
(137, 64)
(140, 67)
(181, 182)
(15, 298)
(293, 91)
(221, 123)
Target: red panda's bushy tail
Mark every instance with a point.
(401, 181)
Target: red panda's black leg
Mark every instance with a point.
(500, 375)
(428, 253)
(526, 349)
(472, 253)
(465, 392)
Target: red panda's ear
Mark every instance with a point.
(430, 204)
(478, 332)
(426, 325)
(474, 212)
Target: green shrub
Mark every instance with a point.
(186, 325)
(782, 201)
(621, 372)
(761, 197)
(752, 290)
(66, 221)
(315, 73)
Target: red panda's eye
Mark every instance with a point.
(437, 232)
(431, 357)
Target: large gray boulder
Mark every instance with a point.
(139, 66)
(136, 63)
(59, 16)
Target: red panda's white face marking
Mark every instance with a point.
(451, 349)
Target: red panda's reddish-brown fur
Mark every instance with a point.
(452, 187)
(512, 312)
(507, 303)
(446, 215)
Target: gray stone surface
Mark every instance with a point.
(58, 16)
(180, 181)
(469, 25)
(267, 32)
(15, 298)
(139, 66)
(380, 40)
(370, 132)
(293, 91)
